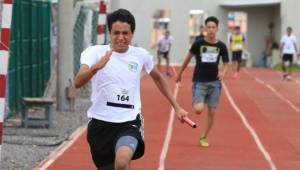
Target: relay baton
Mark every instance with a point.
(174, 70)
(185, 119)
(175, 73)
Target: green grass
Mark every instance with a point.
(296, 68)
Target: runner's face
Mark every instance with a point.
(237, 31)
(167, 34)
(120, 36)
(289, 31)
(211, 29)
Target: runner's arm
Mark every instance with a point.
(296, 49)
(85, 72)
(164, 88)
(187, 60)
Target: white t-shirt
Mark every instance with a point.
(164, 44)
(288, 44)
(116, 87)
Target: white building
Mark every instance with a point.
(183, 17)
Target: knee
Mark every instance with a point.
(199, 111)
(121, 164)
(199, 107)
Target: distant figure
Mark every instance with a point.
(236, 46)
(202, 34)
(288, 48)
(164, 45)
(267, 53)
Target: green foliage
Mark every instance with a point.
(296, 68)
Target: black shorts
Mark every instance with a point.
(102, 137)
(287, 57)
(164, 54)
(237, 55)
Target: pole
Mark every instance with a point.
(65, 52)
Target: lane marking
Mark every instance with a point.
(168, 136)
(250, 129)
(54, 155)
(278, 94)
(293, 106)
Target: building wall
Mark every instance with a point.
(143, 11)
(258, 20)
(290, 16)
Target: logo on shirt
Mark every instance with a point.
(124, 91)
(209, 54)
(209, 49)
(133, 66)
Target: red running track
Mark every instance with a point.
(257, 126)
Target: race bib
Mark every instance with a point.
(288, 47)
(209, 57)
(120, 97)
(238, 46)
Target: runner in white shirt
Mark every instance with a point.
(115, 132)
(164, 45)
(288, 48)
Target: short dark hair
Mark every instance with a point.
(212, 19)
(121, 15)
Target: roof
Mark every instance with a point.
(247, 3)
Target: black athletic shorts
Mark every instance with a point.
(164, 54)
(287, 57)
(237, 55)
(102, 137)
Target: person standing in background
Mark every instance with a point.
(164, 45)
(236, 46)
(202, 33)
(288, 47)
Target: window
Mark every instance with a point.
(161, 22)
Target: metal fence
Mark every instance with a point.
(29, 66)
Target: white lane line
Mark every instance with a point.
(278, 94)
(250, 129)
(293, 106)
(168, 136)
(61, 149)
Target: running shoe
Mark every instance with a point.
(203, 142)
(285, 75)
(289, 78)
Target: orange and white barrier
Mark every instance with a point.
(4, 55)
(101, 23)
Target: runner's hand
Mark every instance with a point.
(180, 112)
(178, 78)
(221, 76)
(103, 61)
